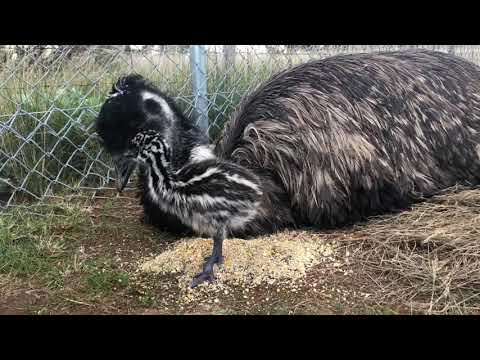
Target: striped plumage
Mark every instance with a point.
(212, 196)
(206, 194)
(331, 141)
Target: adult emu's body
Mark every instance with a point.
(331, 141)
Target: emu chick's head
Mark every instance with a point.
(133, 105)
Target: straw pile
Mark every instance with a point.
(427, 258)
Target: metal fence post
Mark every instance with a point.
(199, 84)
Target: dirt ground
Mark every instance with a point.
(109, 262)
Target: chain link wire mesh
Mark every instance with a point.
(51, 94)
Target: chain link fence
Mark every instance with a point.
(51, 94)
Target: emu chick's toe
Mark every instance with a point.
(203, 277)
(207, 273)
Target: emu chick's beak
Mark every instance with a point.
(124, 166)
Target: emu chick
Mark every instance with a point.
(212, 196)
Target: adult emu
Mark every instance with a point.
(331, 141)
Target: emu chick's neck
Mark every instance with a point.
(156, 154)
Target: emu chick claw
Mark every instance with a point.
(202, 277)
(207, 273)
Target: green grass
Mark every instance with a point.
(41, 243)
(67, 250)
(102, 279)
(47, 245)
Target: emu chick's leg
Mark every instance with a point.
(215, 258)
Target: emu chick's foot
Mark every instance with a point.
(202, 277)
(215, 258)
(207, 273)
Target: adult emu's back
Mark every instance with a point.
(334, 141)
(357, 135)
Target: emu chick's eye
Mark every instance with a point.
(152, 106)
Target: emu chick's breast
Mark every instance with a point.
(208, 195)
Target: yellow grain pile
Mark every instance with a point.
(283, 256)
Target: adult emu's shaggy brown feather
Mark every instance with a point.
(332, 141)
(357, 135)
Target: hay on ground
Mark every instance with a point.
(427, 258)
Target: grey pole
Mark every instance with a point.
(199, 84)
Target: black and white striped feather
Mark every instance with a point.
(206, 193)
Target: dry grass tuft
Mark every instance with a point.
(427, 258)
